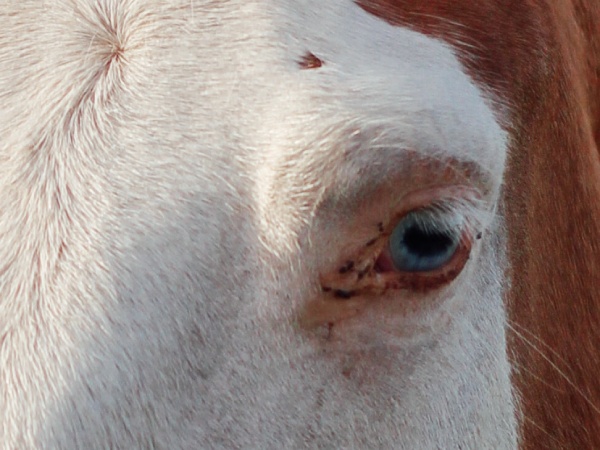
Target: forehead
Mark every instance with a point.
(376, 83)
(502, 43)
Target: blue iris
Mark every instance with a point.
(421, 242)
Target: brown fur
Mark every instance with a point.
(543, 58)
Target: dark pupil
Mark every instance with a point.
(426, 243)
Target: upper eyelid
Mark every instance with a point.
(437, 219)
(405, 172)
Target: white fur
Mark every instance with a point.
(171, 186)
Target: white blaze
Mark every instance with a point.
(171, 186)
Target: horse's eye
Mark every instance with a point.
(424, 241)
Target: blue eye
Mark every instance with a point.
(423, 242)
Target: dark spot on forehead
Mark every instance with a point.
(310, 61)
